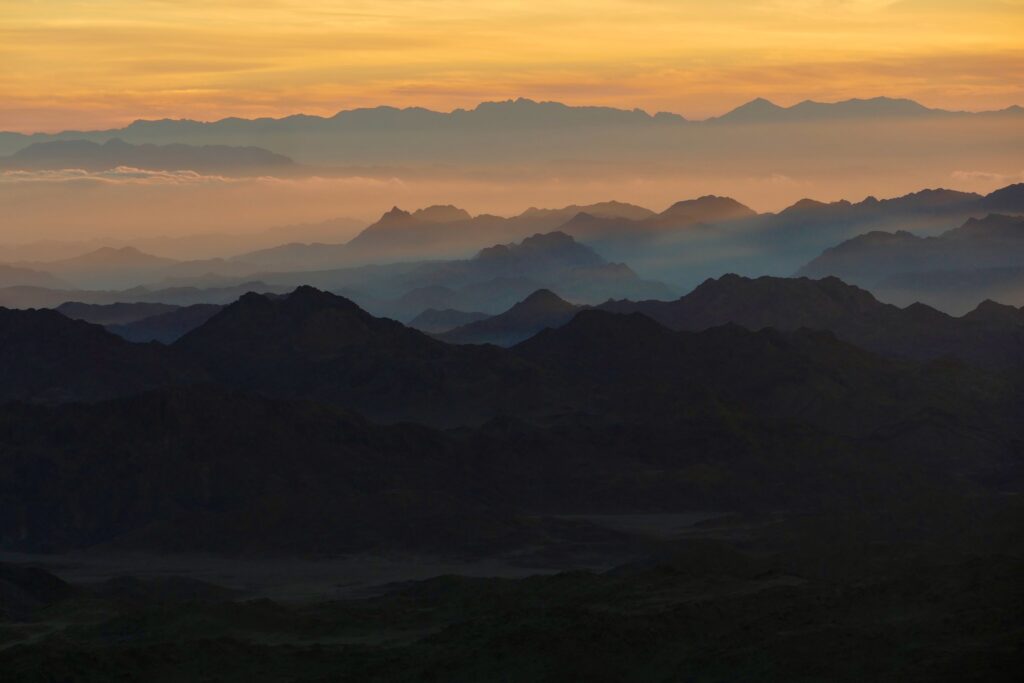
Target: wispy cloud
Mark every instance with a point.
(127, 175)
(988, 177)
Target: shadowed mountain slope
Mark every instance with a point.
(49, 358)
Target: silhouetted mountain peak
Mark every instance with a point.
(542, 308)
(557, 246)
(757, 109)
(394, 213)
(437, 213)
(307, 322)
(709, 208)
(544, 299)
(989, 311)
(550, 240)
(924, 314)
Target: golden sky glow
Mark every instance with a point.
(88, 64)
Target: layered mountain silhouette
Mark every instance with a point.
(849, 312)
(432, 232)
(984, 251)
(517, 129)
(114, 153)
(536, 312)
(608, 412)
(995, 241)
(492, 280)
(685, 244)
(165, 327)
(780, 244)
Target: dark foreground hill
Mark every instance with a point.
(577, 418)
(315, 345)
(49, 358)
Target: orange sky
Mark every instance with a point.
(88, 64)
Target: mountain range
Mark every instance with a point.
(524, 132)
(686, 243)
(114, 153)
(681, 246)
(517, 114)
(991, 335)
(563, 421)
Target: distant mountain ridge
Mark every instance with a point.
(355, 133)
(114, 153)
(761, 110)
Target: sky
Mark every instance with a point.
(78, 64)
